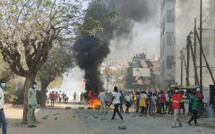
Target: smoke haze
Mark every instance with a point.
(186, 11)
(136, 24)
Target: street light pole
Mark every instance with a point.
(200, 43)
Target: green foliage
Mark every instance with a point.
(10, 94)
(10, 90)
(5, 72)
(119, 75)
(91, 26)
(29, 28)
(60, 60)
(129, 76)
(111, 14)
(56, 83)
(96, 18)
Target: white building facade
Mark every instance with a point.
(167, 43)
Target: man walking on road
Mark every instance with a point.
(3, 120)
(116, 102)
(32, 103)
(195, 107)
(176, 100)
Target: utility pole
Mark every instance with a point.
(107, 71)
(182, 67)
(188, 61)
(183, 58)
(206, 61)
(194, 55)
(200, 43)
(194, 60)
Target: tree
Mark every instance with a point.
(5, 72)
(28, 30)
(117, 73)
(129, 75)
(129, 81)
(56, 83)
(60, 61)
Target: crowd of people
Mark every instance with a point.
(147, 103)
(55, 96)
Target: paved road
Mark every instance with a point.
(136, 124)
(83, 121)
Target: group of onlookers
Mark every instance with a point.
(153, 103)
(55, 96)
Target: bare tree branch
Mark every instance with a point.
(22, 8)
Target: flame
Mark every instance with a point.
(93, 100)
(94, 103)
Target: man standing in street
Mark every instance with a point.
(128, 102)
(52, 98)
(32, 103)
(3, 120)
(102, 97)
(74, 96)
(176, 100)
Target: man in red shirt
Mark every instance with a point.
(176, 100)
(52, 98)
(162, 101)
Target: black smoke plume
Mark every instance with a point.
(92, 50)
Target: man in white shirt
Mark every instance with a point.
(3, 120)
(60, 97)
(116, 102)
(102, 97)
(167, 103)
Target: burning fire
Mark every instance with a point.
(92, 100)
(94, 103)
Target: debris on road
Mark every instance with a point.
(122, 127)
(68, 108)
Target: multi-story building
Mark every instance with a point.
(167, 48)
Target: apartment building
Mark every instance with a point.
(167, 43)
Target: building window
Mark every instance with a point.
(170, 15)
(170, 38)
(169, 62)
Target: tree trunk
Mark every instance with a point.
(44, 85)
(28, 83)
